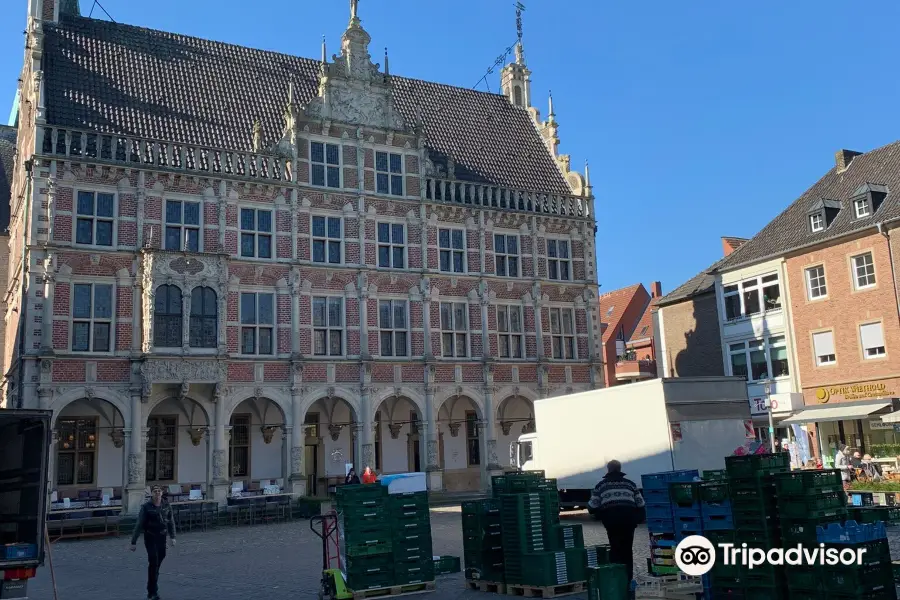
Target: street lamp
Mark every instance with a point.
(771, 421)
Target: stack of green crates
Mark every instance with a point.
(482, 545)
(410, 520)
(754, 507)
(365, 536)
(537, 550)
(385, 539)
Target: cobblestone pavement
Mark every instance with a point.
(275, 562)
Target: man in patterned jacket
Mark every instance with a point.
(618, 503)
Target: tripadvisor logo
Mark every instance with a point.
(695, 556)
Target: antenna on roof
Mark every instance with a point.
(519, 9)
(502, 58)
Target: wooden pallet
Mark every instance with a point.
(553, 591)
(492, 587)
(395, 591)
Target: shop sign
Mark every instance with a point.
(676, 432)
(880, 425)
(861, 391)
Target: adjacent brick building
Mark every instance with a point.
(627, 329)
(837, 246)
(248, 266)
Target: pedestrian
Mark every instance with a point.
(352, 478)
(369, 476)
(619, 509)
(842, 464)
(155, 521)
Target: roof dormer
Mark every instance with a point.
(822, 214)
(867, 199)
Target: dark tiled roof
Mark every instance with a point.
(129, 80)
(7, 155)
(790, 231)
(702, 282)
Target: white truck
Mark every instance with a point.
(649, 426)
(24, 455)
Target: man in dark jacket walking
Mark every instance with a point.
(618, 502)
(155, 521)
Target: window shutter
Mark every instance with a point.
(872, 335)
(823, 343)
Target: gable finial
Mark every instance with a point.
(290, 92)
(354, 11)
(587, 176)
(552, 115)
(324, 51)
(387, 69)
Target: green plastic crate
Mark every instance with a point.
(803, 530)
(818, 506)
(607, 582)
(684, 492)
(762, 486)
(414, 571)
(805, 578)
(714, 475)
(594, 556)
(750, 465)
(569, 536)
(445, 565)
(856, 581)
(370, 581)
(714, 491)
(369, 564)
(545, 569)
(804, 482)
(355, 494)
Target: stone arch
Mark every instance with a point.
(153, 403)
(511, 409)
(412, 396)
(332, 392)
(458, 392)
(273, 396)
(85, 393)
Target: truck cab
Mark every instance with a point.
(526, 452)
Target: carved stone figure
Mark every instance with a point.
(454, 428)
(196, 434)
(117, 436)
(268, 432)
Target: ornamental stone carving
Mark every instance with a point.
(395, 430)
(368, 455)
(432, 455)
(177, 371)
(493, 460)
(454, 428)
(117, 436)
(297, 460)
(196, 434)
(220, 465)
(135, 468)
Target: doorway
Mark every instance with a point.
(311, 459)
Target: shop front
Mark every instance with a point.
(850, 414)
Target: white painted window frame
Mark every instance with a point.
(92, 320)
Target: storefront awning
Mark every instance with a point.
(835, 413)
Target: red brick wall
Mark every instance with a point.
(844, 309)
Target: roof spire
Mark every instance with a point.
(587, 177)
(387, 69)
(324, 51)
(551, 117)
(354, 12)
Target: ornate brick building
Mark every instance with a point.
(231, 264)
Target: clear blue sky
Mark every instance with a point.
(700, 118)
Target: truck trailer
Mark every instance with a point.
(650, 426)
(24, 455)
